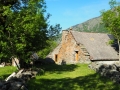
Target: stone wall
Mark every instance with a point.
(57, 49)
(66, 51)
(18, 80)
(70, 49)
(106, 62)
(54, 52)
(109, 70)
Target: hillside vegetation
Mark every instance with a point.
(92, 25)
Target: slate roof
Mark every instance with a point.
(96, 44)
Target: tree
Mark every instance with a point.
(53, 34)
(111, 20)
(23, 28)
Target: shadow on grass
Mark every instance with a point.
(54, 68)
(6, 71)
(2, 77)
(90, 82)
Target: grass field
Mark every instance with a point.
(6, 71)
(70, 77)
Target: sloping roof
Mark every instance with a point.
(55, 51)
(96, 44)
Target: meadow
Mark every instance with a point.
(65, 77)
(70, 77)
(6, 71)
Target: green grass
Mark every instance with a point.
(6, 71)
(70, 77)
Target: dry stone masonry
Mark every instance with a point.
(111, 71)
(17, 81)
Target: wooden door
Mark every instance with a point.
(56, 57)
(76, 55)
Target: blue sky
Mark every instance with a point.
(68, 13)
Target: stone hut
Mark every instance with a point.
(84, 47)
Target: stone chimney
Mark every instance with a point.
(70, 28)
(64, 34)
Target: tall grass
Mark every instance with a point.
(70, 77)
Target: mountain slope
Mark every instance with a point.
(92, 25)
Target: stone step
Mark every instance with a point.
(87, 54)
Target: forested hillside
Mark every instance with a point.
(92, 25)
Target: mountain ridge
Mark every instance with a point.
(92, 25)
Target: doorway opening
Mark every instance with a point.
(56, 57)
(76, 55)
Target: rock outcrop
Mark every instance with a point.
(111, 71)
(17, 81)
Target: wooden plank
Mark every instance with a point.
(8, 78)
